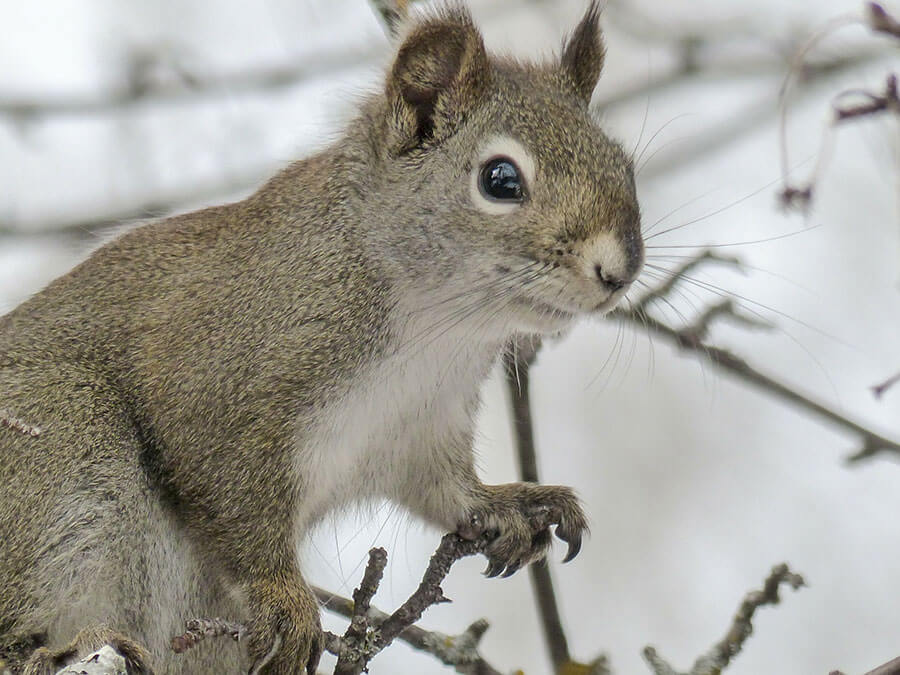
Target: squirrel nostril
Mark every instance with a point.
(611, 283)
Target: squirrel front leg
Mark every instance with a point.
(251, 536)
(285, 633)
(515, 518)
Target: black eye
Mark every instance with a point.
(500, 180)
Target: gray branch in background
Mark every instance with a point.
(892, 667)
(192, 87)
(691, 338)
(720, 655)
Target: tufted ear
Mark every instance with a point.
(584, 52)
(440, 72)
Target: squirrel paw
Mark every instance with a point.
(285, 636)
(516, 518)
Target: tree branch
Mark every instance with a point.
(517, 363)
(719, 656)
(879, 389)
(691, 339)
(370, 629)
(879, 21)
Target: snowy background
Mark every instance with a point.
(696, 483)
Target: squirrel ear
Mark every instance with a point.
(440, 72)
(584, 52)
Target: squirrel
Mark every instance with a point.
(183, 407)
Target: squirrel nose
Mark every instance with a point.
(611, 283)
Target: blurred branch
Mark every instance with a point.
(749, 118)
(879, 389)
(879, 21)
(892, 667)
(184, 86)
(646, 28)
(719, 656)
(692, 338)
(517, 361)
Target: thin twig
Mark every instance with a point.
(892, 667)
(720, 655)
(459, 651)
(354, 657)
(879, 21)
(691, 339)
(879, 389)
(518, 359)
(371, 630)
(197, 630)
(194, 89)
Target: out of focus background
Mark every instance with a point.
(696, 481)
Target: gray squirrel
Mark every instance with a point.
(182, 408)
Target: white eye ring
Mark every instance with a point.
(501, 146)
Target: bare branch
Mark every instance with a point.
(693, 340)
(197, 630)
(371, 630)
(874, 103)
(517, 362)
(800, 196)
(136, 92)
(720, 655)
(892, 667)
(879, 389)
(881, 21)
(663, 290)
(460, 651)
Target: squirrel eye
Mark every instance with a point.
(500, 180)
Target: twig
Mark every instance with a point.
(192, 89)
(879, 21)
(197, 630)
(692, 340)
(452, 548)
(371, 630)
(721, 654)
(460, 651)
(517, 364)
(892, 667)
(879, 389)
(875, 103)
(663, 290)
(352, 648)
(356, 652)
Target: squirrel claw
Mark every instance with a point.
(494, 569)
(574, 547)
(512, 569)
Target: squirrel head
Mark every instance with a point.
(503, 178)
